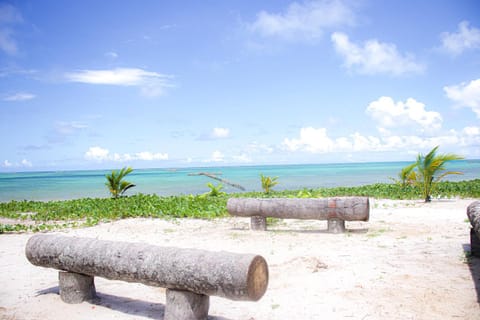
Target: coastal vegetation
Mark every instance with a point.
(427, 172)
(115, 183)
(19, 216)
(268, 183)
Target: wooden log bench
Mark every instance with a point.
(473, 213)
(335, 210)
(190, 276)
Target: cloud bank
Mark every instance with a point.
(100, 154)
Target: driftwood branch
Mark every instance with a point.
(214, 176)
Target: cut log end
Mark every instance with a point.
(257, 279)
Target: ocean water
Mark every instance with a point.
(61, 185)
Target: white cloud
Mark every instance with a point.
(26, 163)
(317, 141)
(471, 131)
(100, 154)
(7, 164)
(23, 164)
(242, 158)
(216, 156)
(97, 154)
(21, 96)
(221, 133)
(68, 128)
(465, 95)
(111, 55)
(151, 83)
(7, 43)
(149, 156)
(8, 15)
(215, 134)
(306, 21)
(391, 114)
(466, 38)
(374, 57)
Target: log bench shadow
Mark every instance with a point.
(473, 263)
(309, 231)
(146, 309)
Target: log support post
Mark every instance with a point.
(76, 287)
(258, 223)
(186, 305)
(336, 226)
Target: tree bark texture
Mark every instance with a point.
(473, 213)
(343, 208)
(76, 287)
(229, 275)
(186, 305)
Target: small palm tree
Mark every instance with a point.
(268, 182)
(408, 176)
(430, 169)
(115, 183)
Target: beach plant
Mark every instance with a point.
(56, 215)
(407, 176)
(115, 183)
(431, 169)
(268, 182)
(215, 191)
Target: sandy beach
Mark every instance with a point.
(407, 262)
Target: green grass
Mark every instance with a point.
(88, 212)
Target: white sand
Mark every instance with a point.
(407, 262)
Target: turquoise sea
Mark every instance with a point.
(61, 185)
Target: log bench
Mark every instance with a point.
(473, 213)
(190, 276)
(335, 210)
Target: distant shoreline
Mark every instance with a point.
(64, 185)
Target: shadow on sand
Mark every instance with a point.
(320, 231)
(474, 266)
(126, 305)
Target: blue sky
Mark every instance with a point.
(106, 84)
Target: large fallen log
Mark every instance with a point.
(336, 210)
(190, 272)
(473, 213)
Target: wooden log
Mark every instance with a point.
(473, 213)
(224, 274)
(343, 208)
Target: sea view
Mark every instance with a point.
(62, 185)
